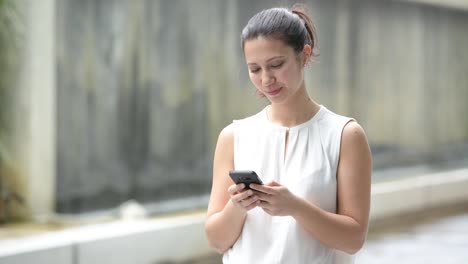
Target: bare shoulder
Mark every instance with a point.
(227, 132)
(353, 132)
(355, 152)
(225, 146)
(226, 137)
(353, 135)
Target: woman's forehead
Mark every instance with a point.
(262, 49)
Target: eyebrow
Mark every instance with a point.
(270, 59)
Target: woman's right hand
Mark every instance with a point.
(244, 199)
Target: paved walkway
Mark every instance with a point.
(437, 237)
(440, 240)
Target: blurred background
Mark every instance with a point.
(110, 110)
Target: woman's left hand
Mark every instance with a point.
(275, 199)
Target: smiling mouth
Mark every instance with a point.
(274, 92)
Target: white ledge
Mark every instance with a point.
(418, 193)
(183, 237)
(452, 4)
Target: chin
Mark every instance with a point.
(278, 100)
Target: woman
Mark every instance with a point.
(314, 207)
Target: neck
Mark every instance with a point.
(294, 112)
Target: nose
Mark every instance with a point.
(268, 79)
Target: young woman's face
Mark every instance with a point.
(274, 68)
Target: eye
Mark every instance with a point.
(277, 64)
(254, 70)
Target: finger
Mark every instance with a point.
(265, 205)
(252, 205)
(247, 194)
(262, 188)
(240, 187)
(249, 201)
(239, 197)
(264, 197)
(233, 189)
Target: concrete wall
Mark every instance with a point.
(125, 99)
(399, 69)
(144, 87)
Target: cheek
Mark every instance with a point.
(292, 75)
(284, 76)
(255, 79)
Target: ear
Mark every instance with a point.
(306, 53)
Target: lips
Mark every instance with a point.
(274, 91)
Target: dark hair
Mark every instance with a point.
(292, 26)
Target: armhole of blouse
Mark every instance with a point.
(343, 123)
(235, 133)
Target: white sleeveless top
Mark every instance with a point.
(308, 170)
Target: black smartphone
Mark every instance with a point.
(246, 177)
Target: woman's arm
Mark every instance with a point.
(228, 204)
(347, 229)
